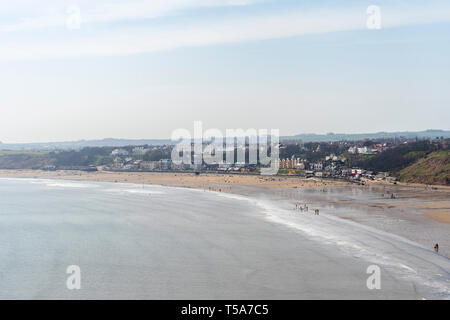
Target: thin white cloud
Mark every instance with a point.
(53, 14)
(271, 25)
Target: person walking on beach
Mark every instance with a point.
(436, 248)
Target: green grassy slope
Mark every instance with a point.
(432, 169)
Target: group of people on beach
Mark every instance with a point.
(303, 207)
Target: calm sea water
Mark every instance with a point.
(157, 242)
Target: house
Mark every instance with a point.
(309, 173)
(357, 171)
(129, 166)
(352, 150)
(149, 165)
(366, 150)
(118, 162)
(224, 166)
(165, 164)
(318, 174)
(300, 166)
(331, 157)
(119, 152)
(292, 163)
(140, 151)
(317, 166)
(178, 167)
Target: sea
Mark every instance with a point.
(63, 239)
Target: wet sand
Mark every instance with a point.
(407, 214)
(428, 199)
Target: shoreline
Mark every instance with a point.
(438, 211)
(178, 179)
(191, 179)
(417, 213)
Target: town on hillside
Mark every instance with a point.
(354, 161)
(391, 159)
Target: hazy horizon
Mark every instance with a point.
(169, 138)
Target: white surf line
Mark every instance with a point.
(58, 183)
(406, 258)
(409, 259)
(128, 190)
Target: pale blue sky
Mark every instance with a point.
(140, 69)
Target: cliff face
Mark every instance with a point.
(432, 169)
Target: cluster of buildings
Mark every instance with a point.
(358, 149)
(131, 164)
(357, 174)
(292, 163)
(136, 151)
(331, 165)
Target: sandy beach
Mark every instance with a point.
(430, 200)
(189, 180)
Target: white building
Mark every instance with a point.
(352, 150)
(140, 151)
(149, 165)
(165, 164)
(119, 152)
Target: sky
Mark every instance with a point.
(72, 70)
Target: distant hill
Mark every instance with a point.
(307, 137)
(75, 145)
(312, 137)
(432, 169)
